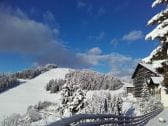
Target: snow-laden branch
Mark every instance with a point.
(157, 2)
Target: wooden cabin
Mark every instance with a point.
(146, 73)
(129, 88)
(142, 73)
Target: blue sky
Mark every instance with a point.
(103, 35)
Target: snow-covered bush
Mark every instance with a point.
(103, 103)
(73, 98)
(43, 105)
(150, 105)
(145, 95)
(128, 109)
(12, 120)
(33, 114)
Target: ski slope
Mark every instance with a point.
(16, 100)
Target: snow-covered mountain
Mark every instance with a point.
(32, 91)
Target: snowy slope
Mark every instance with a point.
(17, 100)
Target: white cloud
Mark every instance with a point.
(20, 34)
(95, 51)
(119, 65)
(133, 36)
(25, 36)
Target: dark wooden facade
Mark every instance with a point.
(130, 90)
(142, 74)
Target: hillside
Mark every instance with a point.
(31, 91)
(17, 100)
(91, 80)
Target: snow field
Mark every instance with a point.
(16, 100)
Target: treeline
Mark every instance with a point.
(33, 72)
(55, 85)
(87, 80)
(90, 80)
(7, 82)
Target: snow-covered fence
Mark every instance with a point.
(106, 119)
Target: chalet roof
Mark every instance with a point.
(157, 80)
(147, 66)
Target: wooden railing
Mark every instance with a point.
(106, 119)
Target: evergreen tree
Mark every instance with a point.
(72, 97)
(161, 20)
(105, 105)
(160, 32)
(145, 95)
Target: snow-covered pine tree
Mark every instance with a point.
(72, 98)
(160, 32)
(145, 95)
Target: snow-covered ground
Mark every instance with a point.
(116, 93)
(155, 121)
(16, 100)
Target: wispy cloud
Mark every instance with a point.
(114, 42)
(48, 16)
(97, 38)
(101, 12)
(81, 4)
(133, 35)
(119, 65)
(90, 8)
(121, 7)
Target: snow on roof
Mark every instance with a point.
(154, 65)
(157, 80)
(151, 66)
(148, 66)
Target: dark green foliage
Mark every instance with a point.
(43, 105)
(7, 82)
(160, 70)
(166, 79)
(105, 105)
(55, 85)
(27, 74)
(33, 72)
(161, 54)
